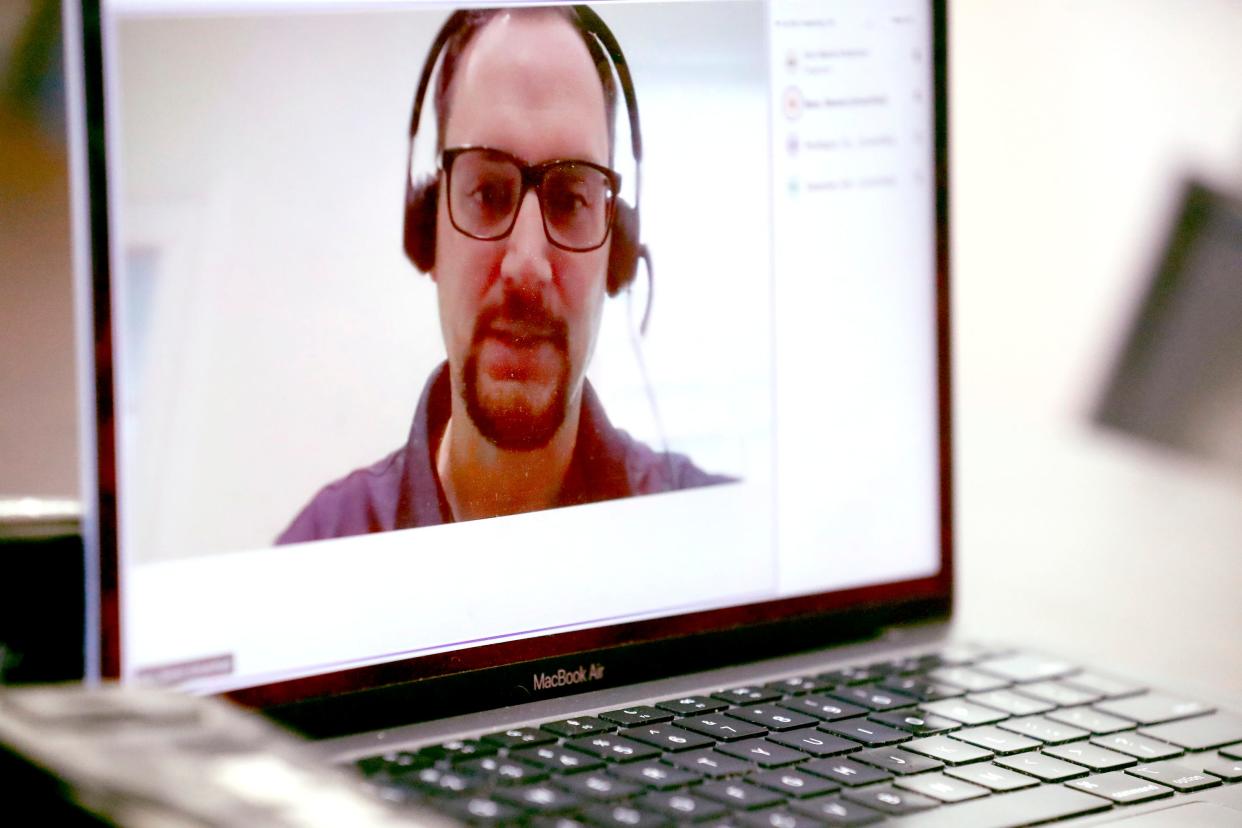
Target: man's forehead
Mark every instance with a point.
(527, 83)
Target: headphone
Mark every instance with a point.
(421, 200)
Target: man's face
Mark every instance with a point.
(519, 315)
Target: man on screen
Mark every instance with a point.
(521, 222)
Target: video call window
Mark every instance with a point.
(333, 327)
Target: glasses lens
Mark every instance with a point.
(484, 188)
(576, 202)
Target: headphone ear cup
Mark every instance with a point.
(421, 202)
(623, 255)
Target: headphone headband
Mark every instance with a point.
(589, 21)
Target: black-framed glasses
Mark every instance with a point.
(486, 188)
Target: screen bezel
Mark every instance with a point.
(496, 674)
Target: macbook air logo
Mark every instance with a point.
(564, 678)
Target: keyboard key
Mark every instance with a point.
(692, 705)
(1045, 730)
(797, 685)
(823, 708)
(852, 675)
(1232, 751)
(968, 713)
(921, 688)
(1090, 720)
(915, 722)
(638, 715)
(814, 742)
(626, 816)
(915, 664)
(724, 728)
(394, 763)
(1015, 704)
(555, 822)
(890, 800)
(667, 737)
(845, 771)
(681, 805)
(794, 784)
(500, 771)
(897, 761)
(1058, 693)
(436, 780)
(599, 786)
(710, 763)
(1121, 788)
(580, 726)
(477, 809)
(939, 786)
(968, 679)
(775, 818)
(763, 753)
(1024, 667)
(613, 748)
(949, 751)
(747, 695)
(1047, 768)
(1140, 747)
(992, 776)
(459, 750)
(1177, 776)
(1091, 756)
(738, 794)
(773, 718)
(1153, 708)
(1105, 686)
(872, 734)
(1200, 733)
(872, 697)
(834, 810)
(541, 799)
(654, 774)
(959, 653)
(519, 736)
(1044, 803)
(557, 758)
(1000, 742)
(1226, 768)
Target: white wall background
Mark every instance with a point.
(280, 337)
(1073, 125)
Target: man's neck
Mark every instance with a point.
(481, 480)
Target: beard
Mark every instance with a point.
(512, 417)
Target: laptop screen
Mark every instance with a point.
(431, 330)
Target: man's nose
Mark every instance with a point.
(526, 252)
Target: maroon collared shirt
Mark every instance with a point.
(403, 490)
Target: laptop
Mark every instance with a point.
(545, 409)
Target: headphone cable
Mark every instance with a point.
(637, 345)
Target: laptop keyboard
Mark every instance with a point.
(960, 737)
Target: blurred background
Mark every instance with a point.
(1076, 128)
(38, 431)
